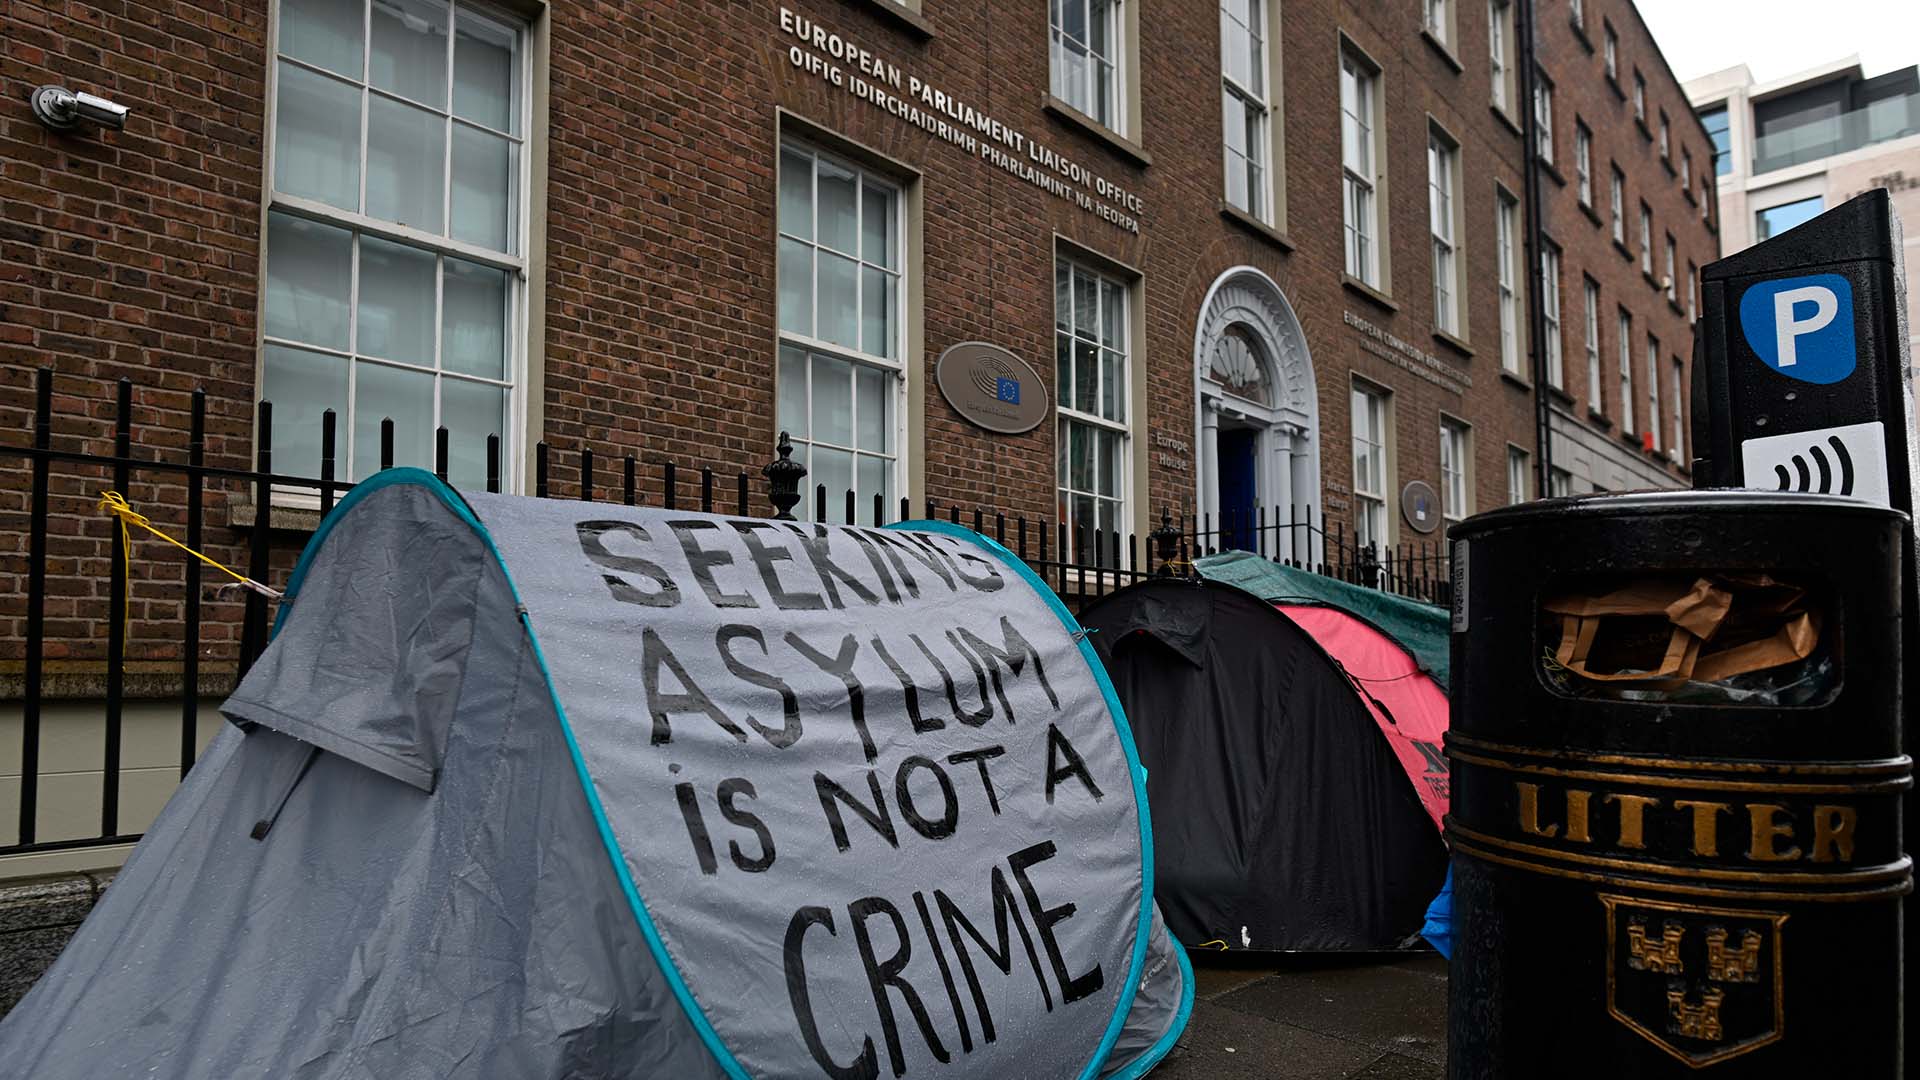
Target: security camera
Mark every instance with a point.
(61, 109)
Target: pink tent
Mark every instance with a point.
(1409, 706)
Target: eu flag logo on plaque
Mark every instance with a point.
(1802, 327)
(1007, 390)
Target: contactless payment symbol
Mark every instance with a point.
(1802, 327)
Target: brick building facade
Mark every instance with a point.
(673, 230)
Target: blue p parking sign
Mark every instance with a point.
(1802, 327)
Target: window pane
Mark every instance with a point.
(406, 396)
(1107, 465)
(870, 387)
(796, 194)
(1085, 304)
(796, 287)
(832, 469)
(872, 481)
(1099, 25)
(406, 163)
(876, 223)
(309, 270)
(1063, 368)
(302, 385)
(1073, 18)
(1086, 376)
(1113, 315)
(325, 33)
(409, 54)
(793, 392)
(316, 143)
(473, 331)
(483, 70)
(832, 400)
(470, 412)
(482, 188)
(1113, 385)
(1063, 296)
(396, 302)
(838, 309)
(876, 311)
(1080, 457)
(839, 229)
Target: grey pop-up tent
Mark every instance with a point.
(527, 788)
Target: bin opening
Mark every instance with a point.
(1693, 637)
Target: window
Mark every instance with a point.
(1093, 361)
(1543, 116)
(1693, 292)
(1673, 282)
(1359, 86)
(1646, 240)
(1639, 98)
(1442, 166)
(1610, 51)
(1439, 20)
(841, 309)
(1550, 312)
(1715, 121)
(1499, 35)
(1775, 220)
(1583, 162)
(1590, 310)
(1626, 372)
(1617, 199)
(1243, 97)
(1517, 480)
(1559, 482)
(1507, 257)
(1666, 137)
(1706, 201)
(1370, 474)
(1686, 170)
(1087, 73)
(1455, 458)
(1653, 392)
(394, 235)
(1577, 13)
(1676, 440)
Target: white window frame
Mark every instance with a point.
(1693, 292)
(1443, 170)
(515, 262)
(1583, 162)
(1646, 239)
(1456, 463)
(1359, 124)
(1666, 137)
(1255, 104)
(1626, 371)
(1673, 281)
(1550, 313)
(1617, 197)
(1060, 81)
(1653, 391)
(894, 367)
(1543, 116)
(1371, 523)
(1499, 33)
(1639, 97)
(1506, 219)
(1596, 397)
(1577, 14)
(1437, 20)
(1519, 475)
(1686, 169)
(1677, 431)
(1610, 51)
(1065, 415)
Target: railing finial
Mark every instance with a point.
(783, 478)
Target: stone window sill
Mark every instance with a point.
(1445, 52)
(1254, 225)
(1516, 379)
(1113, 139)
(1457, 344)
(1354, 284)
(909, 19)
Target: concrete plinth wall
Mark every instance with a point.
(37, 916)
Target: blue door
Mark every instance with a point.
(1239, 476)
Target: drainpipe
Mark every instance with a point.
(1530, 201)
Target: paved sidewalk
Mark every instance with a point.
(1316, 1018)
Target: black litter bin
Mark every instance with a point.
(1677, 785)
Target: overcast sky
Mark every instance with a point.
(1779, 37)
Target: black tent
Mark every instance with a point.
(1282, 820)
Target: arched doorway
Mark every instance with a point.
(1256, 416)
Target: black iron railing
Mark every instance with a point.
(111, 628)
